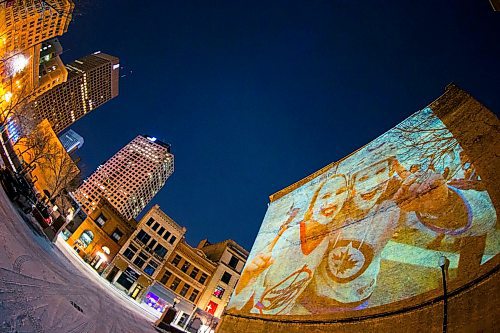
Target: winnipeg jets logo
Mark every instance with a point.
(348, 260)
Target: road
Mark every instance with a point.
(45, 289)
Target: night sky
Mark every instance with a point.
(254, 96)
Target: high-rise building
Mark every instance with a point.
(129, 179)
(51, 70)
(71, 140)
(92, 81)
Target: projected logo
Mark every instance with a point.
(370, 229)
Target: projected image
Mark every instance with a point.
(370, 230)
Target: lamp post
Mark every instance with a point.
(444, 263)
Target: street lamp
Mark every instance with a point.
(17, 64)
(444, 263)
(176, 301)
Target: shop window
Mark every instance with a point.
(141, 259)
(86, 237)
(165, 277)
(226, 277)
(233, 262)
(150, 221)
(193, 295)
(161, 251)
(175, 283)
(184, 289)
(117, 234)
(185, 266)
(183, 319)
(172, 240)
(176, 260)
(219, 291)
(101, 219)
(194, 272)
(203, 278)
(143, 237)
(151, 268)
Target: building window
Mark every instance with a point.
(219, 291)
(130, 252)
(203, 278)
(226, 277)
(233, 262)
(176, 260)
(141, 259)
(175, 283)
(194, 272)
(165, 277)
(101, 219)
(193, 295)
(117, 234)
(167, 234)
(143, 237)
(161, 231)
(184, 289)
(172, 240)
(150, 246)
(185, 266)
(155, 226)
(150, 221)
(161, 251)
(151, 267)
(183, 319)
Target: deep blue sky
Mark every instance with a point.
(254, 96)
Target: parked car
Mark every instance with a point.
(10, 185)
(41, 213)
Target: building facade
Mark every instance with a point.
(71, 140)
(129, 179)
(230, 258)
(101, 235)
(91, 82)
(183, 278)
(138, 262)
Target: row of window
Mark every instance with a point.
(117, 233)
(185, 267)
(174, 286)
(151, 245)
(160, 230)
(142, 260)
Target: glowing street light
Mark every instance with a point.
(7, 96)
(17, 64)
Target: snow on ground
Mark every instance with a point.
(47, 288)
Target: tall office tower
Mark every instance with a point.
(51, 70)
(92, 81)
(129, 179)
(24, 24)
(71, 141)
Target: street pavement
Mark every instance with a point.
(45, 289)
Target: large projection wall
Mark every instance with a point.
(364, 235)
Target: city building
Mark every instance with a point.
(51, 70)
(91, 82)
(400, 235)
(71, 140)
(101, 235)
(138, 263)
(129, 179)
(230, 258)
(182, 279)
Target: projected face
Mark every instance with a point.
(370, 183)
(369, 231)
(330, 199)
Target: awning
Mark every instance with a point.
(168, 296)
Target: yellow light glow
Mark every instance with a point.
(7, 96)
